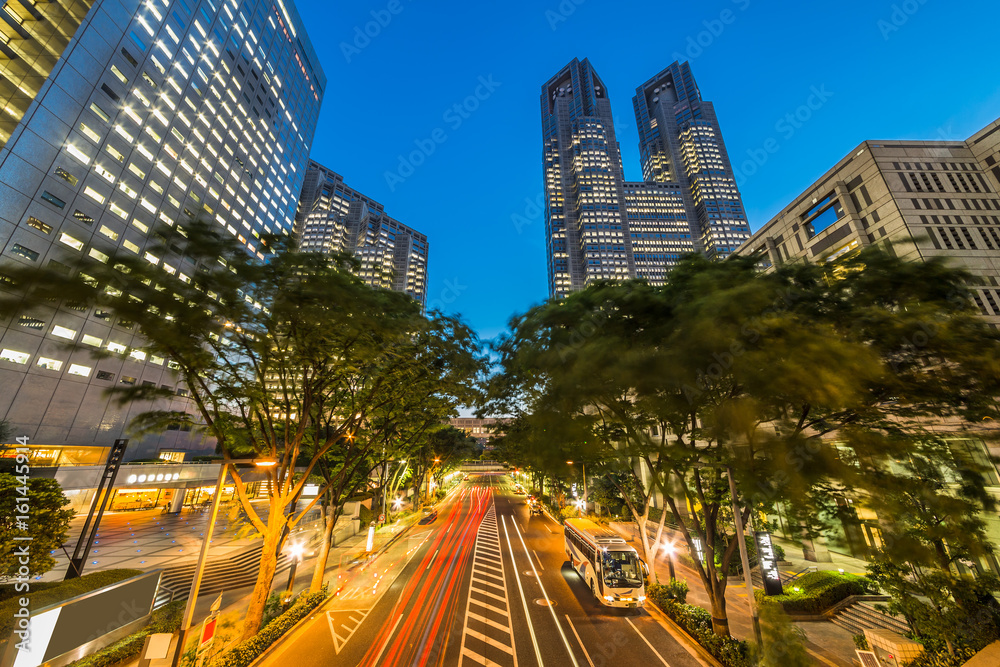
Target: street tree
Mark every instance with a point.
(284, 359)
(46, 523)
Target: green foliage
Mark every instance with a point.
(941, 658)
(249, 650)
(697, 622)
(569, 512)
(47, 523)
(44, 594)
(861, 643)
(677, 590)
(725, 368)
(272, 608)
(293, 358)
(165, 619)
(818, 591)
(783, 642)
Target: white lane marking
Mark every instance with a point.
(657, 653)
(524, 601)
(382, 650)
(546, 596)
(539, 560)
(548, 529)
(577, 635)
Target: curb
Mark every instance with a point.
(678, 632)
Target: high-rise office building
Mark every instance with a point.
(598, 226)
(334, 218)
(121, 115)
(680, 141)
(917, 199)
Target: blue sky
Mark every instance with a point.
(914, 69)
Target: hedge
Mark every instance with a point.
(165, 619)
(45, 594)
(697, 622)
(818, 591)
(249, 650)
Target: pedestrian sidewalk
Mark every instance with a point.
(828, 644)
(345, 562)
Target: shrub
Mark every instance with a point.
(783, 644)
(677, 590)
(568, 513)
(250, 649)
(43, 595)
(818, 591)
(164, 619)
(697, 622)
(861, 643)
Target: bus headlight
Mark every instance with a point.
(642, 598)
(609, 598)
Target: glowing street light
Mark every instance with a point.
(669, 548)
(295, 552)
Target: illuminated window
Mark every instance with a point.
(93, 341)
(77, 369)
(63, 332)
(49, 364)
(110, 233)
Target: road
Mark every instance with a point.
(484, 584)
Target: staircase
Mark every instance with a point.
(227, 573)
(859, 616)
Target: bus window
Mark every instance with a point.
(622, 569)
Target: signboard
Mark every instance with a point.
(87, 623)
(699, 552)
(868, 659)
(371, 538)
(768, 564)
(208, 631)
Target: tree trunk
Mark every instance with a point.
(324, 552)
(720, 620)
(265, 577)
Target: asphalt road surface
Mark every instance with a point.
(484, 584)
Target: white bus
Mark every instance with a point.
(606, 563)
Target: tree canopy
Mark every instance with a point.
(804, 384)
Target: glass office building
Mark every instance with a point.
(334, 218)
(600, 227)
(119, 116)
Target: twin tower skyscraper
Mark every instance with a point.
(601, 227)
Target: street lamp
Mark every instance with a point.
(669, 549)
(200, 569)
(295, 552)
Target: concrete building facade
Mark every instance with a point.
(600, 227)
(334, 217)
(131, 114)
(917, 199)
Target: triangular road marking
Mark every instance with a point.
(338, 641)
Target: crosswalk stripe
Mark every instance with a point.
(488, 621)
(488, 594)
(487, 605)
(489, 641)
(482, 660)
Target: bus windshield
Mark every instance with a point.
(622, 569)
